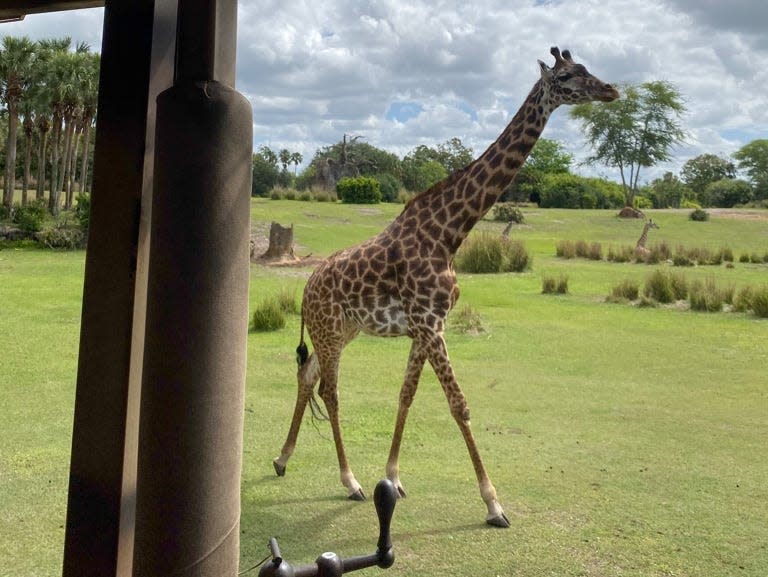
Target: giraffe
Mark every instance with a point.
(640, 251)
(402, 281)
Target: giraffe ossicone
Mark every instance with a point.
(402, 282)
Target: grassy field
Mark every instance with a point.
(622, 441)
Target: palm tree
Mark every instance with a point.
(296, 159)
(63, 103)
(16, 61)
(43, 104)
(90, 93)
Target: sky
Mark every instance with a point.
(401, 73)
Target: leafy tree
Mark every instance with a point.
(728, 192)
(667, 191)
(453, 155)
(753, 158)
(296, 159)
(418, 175)
(265, 171)
(633, 132)
(17, 58)
(698, 173)
(547, 157)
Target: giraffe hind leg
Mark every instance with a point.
(307, 375)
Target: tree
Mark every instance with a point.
(547, 157)
(296, 160)
(16, 63)
(453, 155)
(265, 172)
(667, 191)
(701, 171)
(633, 132)
(728, 192)
(753, 159)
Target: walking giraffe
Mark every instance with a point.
(640, 251)
(402, 281)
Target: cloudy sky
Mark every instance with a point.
(406, 72)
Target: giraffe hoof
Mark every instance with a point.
(499, 521)
(279, 468)
(357, 495)
(401, 494)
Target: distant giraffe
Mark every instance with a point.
(402, 281)
(640, 251)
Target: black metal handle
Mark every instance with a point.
(330, 564)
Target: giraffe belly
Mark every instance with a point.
(387, 319)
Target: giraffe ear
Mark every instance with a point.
(546, 71)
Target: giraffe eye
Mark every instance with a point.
(564, 77)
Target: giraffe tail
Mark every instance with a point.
(302, 353)
(302, 356)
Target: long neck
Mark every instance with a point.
(643, 237)
(448, 211)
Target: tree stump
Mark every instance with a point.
(280, 243)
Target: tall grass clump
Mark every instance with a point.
(551, 285)
(759, 302)
(707, 296)
(565, 249)
(488, 253)
(269, 315)
(623, 253)
(626, 290)
(658, 286)
(466, 320)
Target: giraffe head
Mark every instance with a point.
(651, 224)
(571, 83)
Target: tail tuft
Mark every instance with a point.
(302, 353)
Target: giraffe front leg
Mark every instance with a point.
(438, 358)
(416, 361)
(307, 376)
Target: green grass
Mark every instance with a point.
(622, 441)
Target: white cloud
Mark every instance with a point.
(314, 71)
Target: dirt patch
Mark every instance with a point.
(739, 213)
(260, 244)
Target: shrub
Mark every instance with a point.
(290, 194)
(268, 316)
(743, 257)
(552, 285)
(508, 212)
(390, 187)
(565, 249)
(487, 253)
(323, 196)
(306, 196)
(595, 251)
(466, 320)
(706, 296)
(621, 254)
(726, 254)
(275, 194)
(83, 211)
(679, 286)
(359, 190)
(29, 218)
(627, 289)
(742, 301)
(759, 302)
(658, 286)
(681, 259)
(755, 258)
(61, 237)
(582, 248)
(699, 215)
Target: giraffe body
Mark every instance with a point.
(402, 282)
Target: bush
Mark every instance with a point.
(621, 254)
(290, 194)
(627, 290)
(742, 302)
(565, 249)
(759, 302)
(679, 286)
(699, 215)
(62, 237)
(658, 286)
(552, 285)
(487, 253)
(83, 212)
(305, 196)
(706, 296)
(508, 212)
(743, 257)
(359, 190)
(390, 187)
(268, 316)
(323, 196)
(275, 195)
(466, 320)
(30, 218)
(286, 299)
